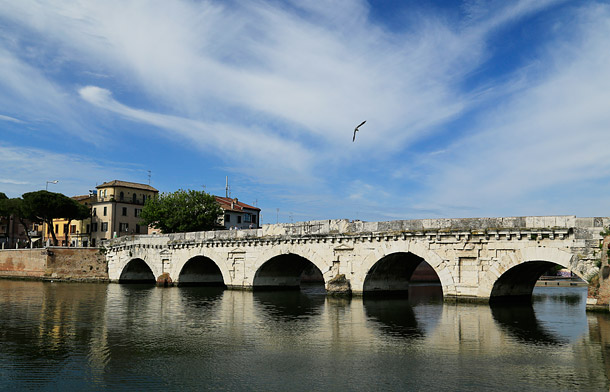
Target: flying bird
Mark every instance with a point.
(356, 130)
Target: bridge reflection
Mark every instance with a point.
(135, 330)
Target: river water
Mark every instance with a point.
(70, 336)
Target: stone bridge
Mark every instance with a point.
(482, 258)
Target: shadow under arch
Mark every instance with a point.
(517, 283)
(137, 271)
(398, 273)
(200, 271)
(287, 272)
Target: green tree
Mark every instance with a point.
(13, 207)
(3, 207)
(44, 206)
(181, 211)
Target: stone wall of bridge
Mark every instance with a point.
(479, 258)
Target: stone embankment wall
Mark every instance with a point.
(77, 264)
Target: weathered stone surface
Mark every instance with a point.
(55, 262)
(469, 255)
(339, 285)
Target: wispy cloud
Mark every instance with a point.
(10, 119)
(30, 168)
(551, 134)
(273, 90)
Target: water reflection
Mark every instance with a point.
(397, 316)
(288, 305)
(394, 316)
(520, 322)
(88, 336)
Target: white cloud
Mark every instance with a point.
(10, 119)
(274, 90)
(28, 169)
(550, 135)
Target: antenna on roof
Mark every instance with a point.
(227, 186)
(149, 177)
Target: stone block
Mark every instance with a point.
(548, 221)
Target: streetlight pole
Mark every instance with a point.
(51, 182)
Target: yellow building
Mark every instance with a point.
(117, 210)
(74, 233)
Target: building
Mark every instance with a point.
(13, 234)
(73, 232)
(238, 215)
(117, 210)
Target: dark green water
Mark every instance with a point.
(60, 336)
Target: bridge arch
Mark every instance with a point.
(392, 273)
(413, 251)
(284, 271)
(200, 271)
(137, 271)
(514, 278)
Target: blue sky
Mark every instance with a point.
(474, 108)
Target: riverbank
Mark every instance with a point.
(54, 263)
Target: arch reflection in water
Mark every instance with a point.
(408, 317)
(289, 305)
(552, 318)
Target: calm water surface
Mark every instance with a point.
(61, 336)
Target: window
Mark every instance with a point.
(239, 219)
(121, 196)
(104, 226)
(123, 226)
(72, 229)
(253, 218)
(134, 198)
(93, 242)
(94, 227)
(124, 211)
(227, 218)
(65, 228)
(247, 218)
(105, 194)
(88, 228)
(105, 210)
(143, 199)
(138, 212)
(137, 229)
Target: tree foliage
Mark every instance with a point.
(181, 211)
(3, 205)
(44, 206)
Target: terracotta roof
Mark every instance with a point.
(225, 204)
(81, 197)
(127, 184)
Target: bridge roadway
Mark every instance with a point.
(481, 258)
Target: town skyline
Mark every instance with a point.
(472, 109)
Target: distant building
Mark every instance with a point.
(13, 234)
(75, 232)
(238, 215)
(117, 210)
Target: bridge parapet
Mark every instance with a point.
(535, 228)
